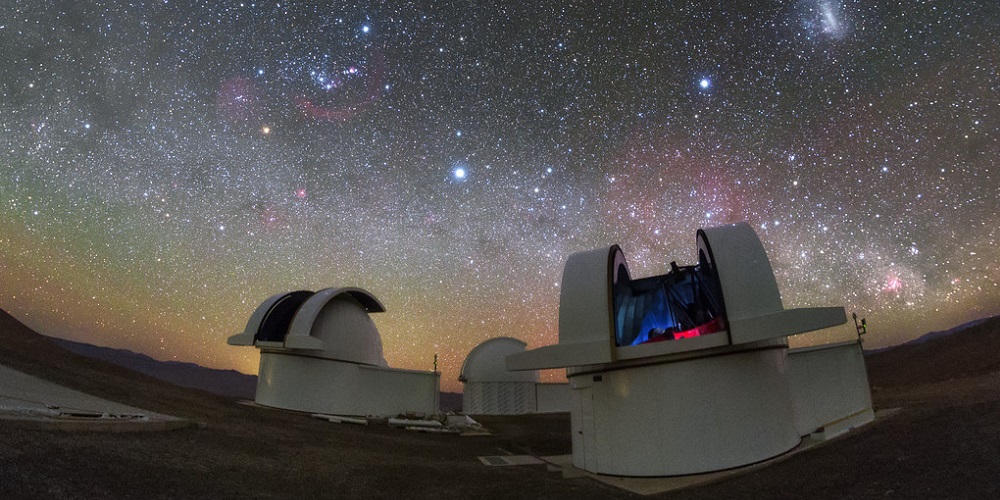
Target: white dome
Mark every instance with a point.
(487, 362)
(338, 317)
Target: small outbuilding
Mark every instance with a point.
(491, 389)
(321, 353)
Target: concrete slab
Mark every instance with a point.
(39, 404)
(507, 460)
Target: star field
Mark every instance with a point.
(170, 164)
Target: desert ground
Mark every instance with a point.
(944, 442)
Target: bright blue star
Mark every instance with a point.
(704, 83)
(459, 173)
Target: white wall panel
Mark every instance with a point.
(319, 385)
(829, 384)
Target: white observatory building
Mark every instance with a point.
(690, 371)
(491, 389)
(321, 353)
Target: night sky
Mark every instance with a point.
(168, 165)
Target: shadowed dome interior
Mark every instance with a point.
(278, 316)
(487, 362)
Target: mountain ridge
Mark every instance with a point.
(230, 383)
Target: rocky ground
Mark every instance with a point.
(943, 443)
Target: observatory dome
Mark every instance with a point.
(339, 318)
(487, 362)
(321, 353)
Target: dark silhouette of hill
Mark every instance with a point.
(450, 401)
(933, 335)
(229, 383)
(930, 336)
(25, 350)
(969, 350)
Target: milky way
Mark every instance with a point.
(169, 165)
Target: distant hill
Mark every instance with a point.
(933, 335)
(229, 383)
(451, 401)
(965, 351)
(26, 351)
(930, 336)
